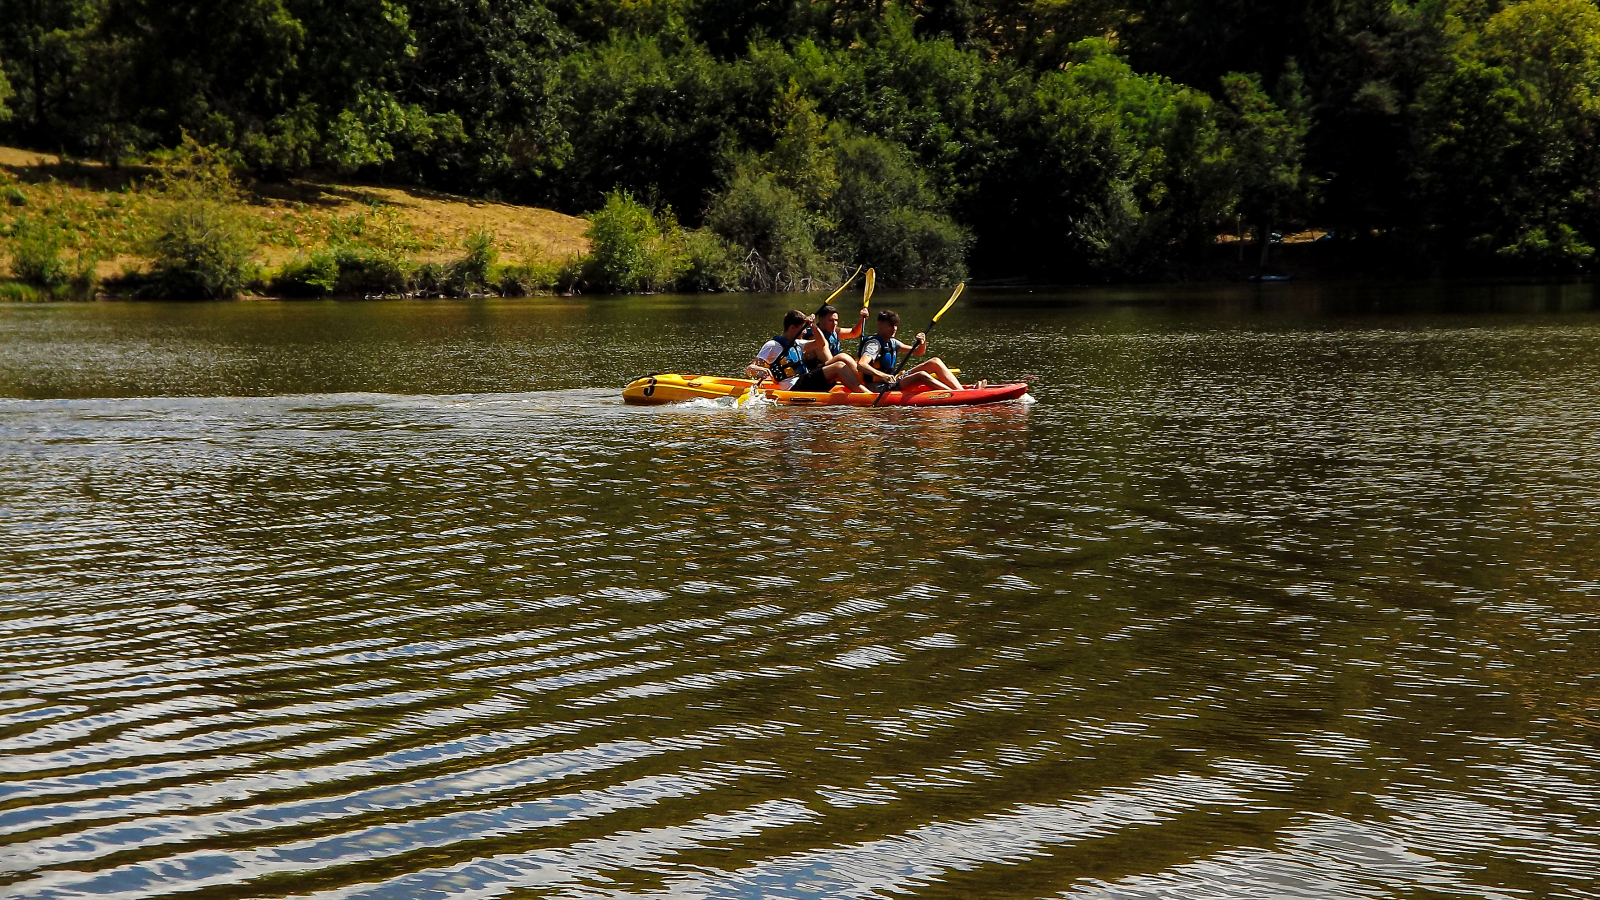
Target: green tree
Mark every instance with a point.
(646, 119)
(1509, 161)
(1116, 174)
(771, 229)
(495, 66)
(1268, 144)
(884, 214)
(45, 48)
(1370, 63)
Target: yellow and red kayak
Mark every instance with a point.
(671, 388)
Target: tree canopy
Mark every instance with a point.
(1076, 139)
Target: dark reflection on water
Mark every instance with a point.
(1264, 597)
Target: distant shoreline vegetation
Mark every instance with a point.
(769, 144)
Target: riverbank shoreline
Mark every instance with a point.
(326, 238)
(96, 219)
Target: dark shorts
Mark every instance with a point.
(813, 381)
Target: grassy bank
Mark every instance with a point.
(79, 230)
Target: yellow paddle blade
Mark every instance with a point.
(833, 296)
(872, 282)
(951, 302)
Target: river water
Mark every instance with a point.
(1271, 593)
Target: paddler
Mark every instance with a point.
(826, 323)
(783, 359)
(881, 354)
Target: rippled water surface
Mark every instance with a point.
(1267, 595)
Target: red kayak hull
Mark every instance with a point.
(995, 393)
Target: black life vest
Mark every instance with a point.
(789, 363)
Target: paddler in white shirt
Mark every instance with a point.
(881, 353)
(783, 359)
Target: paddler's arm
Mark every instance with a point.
(817, 343)
(857, 330)
(758, 368)
(868, 368)
(823, 355)
(921, 348)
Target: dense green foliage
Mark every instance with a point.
(1056, 138)
(201, 242)
(35, 250)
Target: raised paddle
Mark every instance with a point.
(835, 295)
(872, 282)
(925, 332)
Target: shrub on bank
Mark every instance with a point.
(202, 249)
(541, 275)
(35, 248)
(709, 262)
(474, 271)
(774, 231)
(202, 241)
(367, 271)
(18, 292)
(316, 275)
(364, 271)
(629, 249)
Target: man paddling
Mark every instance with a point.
(820, 353)
(783, 359)
(881, 353)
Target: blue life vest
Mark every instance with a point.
(888, 354)
(789, 363)
(834, 346)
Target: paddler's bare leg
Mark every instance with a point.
(914, 378)
(842, 371)
(940, 373)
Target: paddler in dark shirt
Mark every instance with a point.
(783, 359)
(881, 353)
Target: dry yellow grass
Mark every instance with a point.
(99, 208)
(11, 157)
(438, 223)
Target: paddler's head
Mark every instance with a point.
(827, 318)
(888, 323)
(794, 322)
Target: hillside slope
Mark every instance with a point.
(99, 211)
